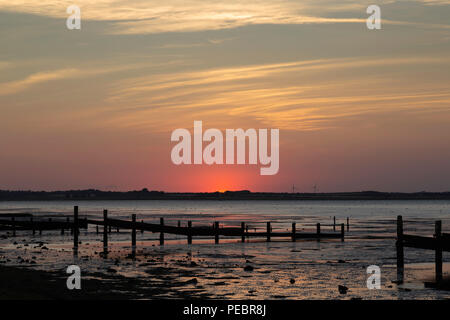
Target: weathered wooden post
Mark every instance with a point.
(293, 231)
(161, 235)
(105, 232)
(133, 234)
(75, 228)
(216, 232)
(438, 252)
(400, 256)
(32, 226)
(189, 232)
(268, 231)
(13, 222)
(334, 223)
(342, 232)
(243, 231)
(348, 224)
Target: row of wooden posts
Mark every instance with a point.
(439, 242)
(107, 223)
(188, 231)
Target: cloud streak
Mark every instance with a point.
(143, 17)
(278, 95)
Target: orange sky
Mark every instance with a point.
(357, 109)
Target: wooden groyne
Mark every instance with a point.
(439, 242)
(189, 231)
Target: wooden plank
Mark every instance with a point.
(44, 225)
(189, 233)
(209, 231)
(105, 232)
(400, 253)
(133, 235)
(161, 235)
(293, 231)
(216, 232)
(75, 227)
(438, 252)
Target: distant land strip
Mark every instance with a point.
(144, 194)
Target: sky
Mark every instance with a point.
(357, 109)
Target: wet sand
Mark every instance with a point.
(34, 269)
(229, 270)
(25, 283)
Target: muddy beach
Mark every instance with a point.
(306, 269)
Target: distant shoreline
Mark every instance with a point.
(227, 195)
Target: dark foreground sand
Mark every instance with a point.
(25, 284)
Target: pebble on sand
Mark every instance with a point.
(248, 268)
(342, 289)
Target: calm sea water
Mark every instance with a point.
(366, 217)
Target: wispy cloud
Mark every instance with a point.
(12, 87)
(283, 95)
(34, 79)
(136, 16)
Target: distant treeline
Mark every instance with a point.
(145, 194)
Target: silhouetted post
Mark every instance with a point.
(75, 228)
(216, 229)
(334, 223)
(161, 235)
(13, 222)
(318, 230)
(243, 231)
(268, 231)
(342, 232)
(105, 232)
(32, 226)
(189, 232)
(348, 224)
(179, 224)
(293, 231)
(400, 256)
(96, 229)
(133, 234)
(438, 253)
(117, 230)
(142, 230)
(70, 226)
(62, 229)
